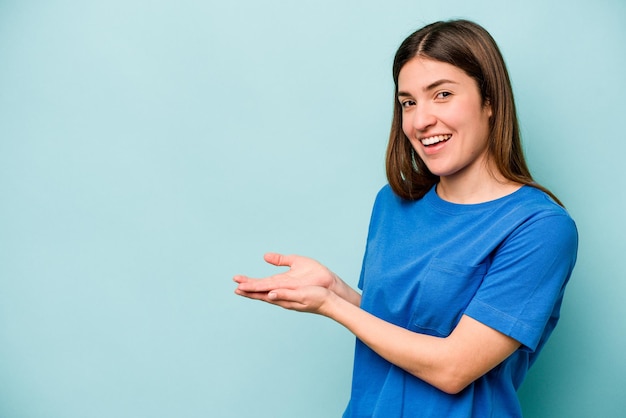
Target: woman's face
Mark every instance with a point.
(444, 117)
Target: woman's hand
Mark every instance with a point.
(304, 287)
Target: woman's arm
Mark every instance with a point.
(449, 364)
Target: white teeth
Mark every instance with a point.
(434, 139)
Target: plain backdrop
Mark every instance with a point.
(150, 150)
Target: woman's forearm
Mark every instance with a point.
(449, 364)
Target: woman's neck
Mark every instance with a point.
(475, 187)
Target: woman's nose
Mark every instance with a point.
(423, 118)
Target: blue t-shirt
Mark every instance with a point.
(504, 263)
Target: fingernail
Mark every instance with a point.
(272, 295)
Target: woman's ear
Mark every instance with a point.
(487, 105)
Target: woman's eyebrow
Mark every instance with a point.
(429, 87)
(438, 83)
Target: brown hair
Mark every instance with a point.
(469, 47)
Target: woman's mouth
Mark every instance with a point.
(435, 139)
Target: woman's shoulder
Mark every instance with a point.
(385, 194)
(536, 211)
(534, 200)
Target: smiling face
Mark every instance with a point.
(444, 118)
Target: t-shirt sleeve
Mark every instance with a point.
(383, 195)
(522, 291)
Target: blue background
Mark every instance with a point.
(150, 150)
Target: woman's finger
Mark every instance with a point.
(279, 260)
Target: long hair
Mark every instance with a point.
(469, 47)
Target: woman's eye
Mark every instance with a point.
(443, 95)
(407, 103)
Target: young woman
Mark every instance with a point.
(467, 257)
